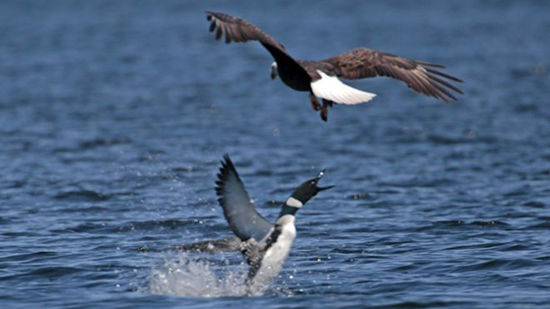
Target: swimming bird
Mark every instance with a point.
(322, 78)
(264, 245)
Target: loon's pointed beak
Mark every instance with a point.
(324, 188)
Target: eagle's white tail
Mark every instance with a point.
(331, 88)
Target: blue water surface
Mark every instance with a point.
(114, 116)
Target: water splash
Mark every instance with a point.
(183, 276)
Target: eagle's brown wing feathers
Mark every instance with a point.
(420, 76)
(238, 30)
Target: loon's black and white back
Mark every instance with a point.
(264, 245)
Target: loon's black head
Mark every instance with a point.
(309, 189)
(302, 194)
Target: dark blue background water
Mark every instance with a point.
(114, 115)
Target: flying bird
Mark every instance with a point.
(322, 78)
(264, 245)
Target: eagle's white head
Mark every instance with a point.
(274, 71)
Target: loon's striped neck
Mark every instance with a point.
(290, 207)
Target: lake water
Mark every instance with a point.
(114, 116)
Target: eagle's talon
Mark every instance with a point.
(324, 109)
(324, 113)
(315, 104)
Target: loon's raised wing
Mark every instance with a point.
(237, 206)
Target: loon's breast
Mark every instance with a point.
(279, 250)
(274, 257)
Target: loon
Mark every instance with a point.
(321, 78)
(264, 245)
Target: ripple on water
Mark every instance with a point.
(54, 272)
(82, 196)
(29, 257)
(148, 225)
(497, 264)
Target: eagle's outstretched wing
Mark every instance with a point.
(422, 77)
(239, 30)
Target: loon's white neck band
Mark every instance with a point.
(292, 202)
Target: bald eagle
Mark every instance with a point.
(322, 78)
